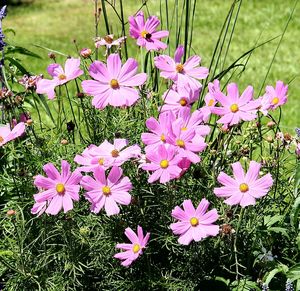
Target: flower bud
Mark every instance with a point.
(271, 124)
(64, 142)
(51, 55)
(270, 139)
(85, 52)
(11, 212)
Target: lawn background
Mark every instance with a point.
(56, 23)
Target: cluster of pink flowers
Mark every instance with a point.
(173, 141)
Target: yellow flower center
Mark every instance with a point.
(108, 39)
(275, 100)
(183, 102)
(1, 139)
(179, 68)
(62, 77)
(114, 153)
(194, 221)
(163, 138)
(60, 188)
(145, 34)
(164, 164)
(184, 128)
(106, 190)
(180, 143)
(211, 102)
(234, 108)
(136, 248)
(244, 187)
(114, 84)
(101, 162)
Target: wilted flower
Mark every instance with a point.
(60, 76)
(133, 250)
(194, 224)
(113, 82)
(181, 73)
(29, 82)
(59, 190)
(107, 192)
(244, 188)
(109, 41)
(145, 32)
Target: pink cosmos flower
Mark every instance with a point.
(107, 155)
(60, 76)
(109, 41)
(159, 130)
(133, 250)
(193, 121)
(107, 192)
(187, 142)
(113, 82)
(164, 164)
(59, 189)
(274, 97)
(244, 188)
(6, 134)
(234, 107)
(194, 224)
(91, 158)
(182, 74)
(210, 100)
(175, 100)
(146, 33)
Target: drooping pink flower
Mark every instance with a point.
(184, 164)
(113, 82)
(163, 163)
(274, 97)
(107, 192)
(6, 134)
(194, 224)
(187, 73)
(131, 251)
(145, 32)
(234, 107)
(210, 100)
(181, 98)
(60, 76)
(59, 189)
(159, 130)
(243, 189)
(109, 41)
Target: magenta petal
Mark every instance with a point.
(55, 205)
(67, 203)
(115, 174)
(179, 53)
(114, 65)
(131, 235)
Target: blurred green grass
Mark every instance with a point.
(57, 23)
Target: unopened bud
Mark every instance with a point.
(11, 212)
(64, 142)
(29, 122)
(271, 124)
(85, 52)
(270, 139)
(51, 55)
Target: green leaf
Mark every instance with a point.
(50, 50)
(294, 272)
(295, 213)
(17, 64)
(20, 50)
(271, 220)
(297, 179)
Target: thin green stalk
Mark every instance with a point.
(123, 28)
(186, 28)
(105, 16)
(278, 45)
